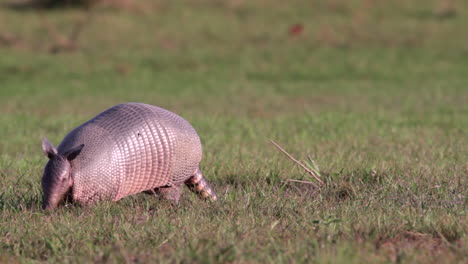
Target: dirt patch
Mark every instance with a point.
(395, 247)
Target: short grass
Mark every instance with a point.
(375, 91)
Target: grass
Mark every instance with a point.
(375, 92)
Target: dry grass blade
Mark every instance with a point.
(311, 172)
(301, 181)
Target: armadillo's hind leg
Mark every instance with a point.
(171, 193)
(200, 186)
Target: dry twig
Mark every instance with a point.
(304, 182)
(311, 172)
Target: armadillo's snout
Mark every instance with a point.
(54, 194)
(50, 203)
(48, 207)
(56, 182)
(51, 198)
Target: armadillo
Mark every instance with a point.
(127, 149)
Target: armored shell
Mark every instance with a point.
(130, 148)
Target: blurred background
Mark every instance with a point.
(97, 52)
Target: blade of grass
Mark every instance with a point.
(313, 166)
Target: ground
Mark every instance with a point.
(375, 92)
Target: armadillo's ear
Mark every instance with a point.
(49, 149)
(73, 152)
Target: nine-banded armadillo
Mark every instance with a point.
(127, 149)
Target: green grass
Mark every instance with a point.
(376, 93)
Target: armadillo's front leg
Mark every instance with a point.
(200, 186)
(171, 193)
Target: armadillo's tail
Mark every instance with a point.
(200, 186)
